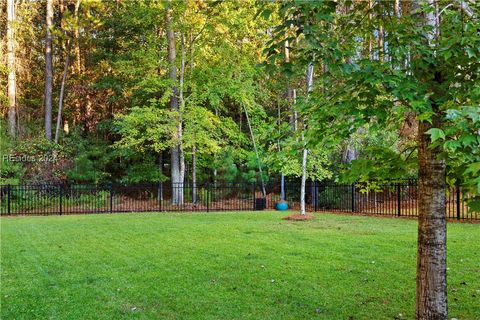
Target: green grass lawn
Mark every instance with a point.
(224, 266)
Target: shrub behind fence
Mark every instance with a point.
(395, 199)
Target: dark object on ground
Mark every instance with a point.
(260, 203)
(298, 217)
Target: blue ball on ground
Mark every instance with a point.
(281, 205)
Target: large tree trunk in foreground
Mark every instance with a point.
(12, 84)
(176, 176)
(432, 231)
(431, 302)
(48, 71)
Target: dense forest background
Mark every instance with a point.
(228, 91)
(116, 124)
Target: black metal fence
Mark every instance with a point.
(395, 199)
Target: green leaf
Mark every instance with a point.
(266, 13)
(436, 133)
(473, 168)
(470, 52)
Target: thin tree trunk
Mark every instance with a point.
(431, 300)
(176, 178)
(194, 149)
(78, 61)
(370, 38)
(77, 65)
(256, 152)
(180, 124)
(294, 113)
(215, 157)
(12, 84)
(381, 43)
(181, 154)
(305, 150)
(291, 93)
(282, 178)
(48, 70)
(62, 90)
(304, 178)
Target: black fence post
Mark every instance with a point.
(253, 195)
(315, 195)
(61, 197)
(353, 197)
(159, 196)
(458, 203)
(9, 205)
(399, 199)
(208, 196)
(110, 189)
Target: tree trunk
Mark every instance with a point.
(381, 43)
(48, 70)
(305, 150)
(176, 179)
(370, 18)
(432, 230)
(78, 61)
(282, 177)
(431, 301)
(62, 90)
(264, 193)
(12, 84)
(304, 178)
(77, 66)
(180, 123)
(215, 160)
(396, 8)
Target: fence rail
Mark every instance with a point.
(394, 199)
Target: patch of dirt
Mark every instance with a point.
(298, 217)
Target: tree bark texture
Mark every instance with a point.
(48, 70)
(431, 298)
(62, 90)
(176, 176)
(12, 84)
(432, 231)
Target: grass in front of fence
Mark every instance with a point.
(224, 266)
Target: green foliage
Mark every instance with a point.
(331, 197)
(10, 171)
(145, 169)
(366, 83)
(92, 159)
(42, 160)
(146, 128)
(202, 130)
